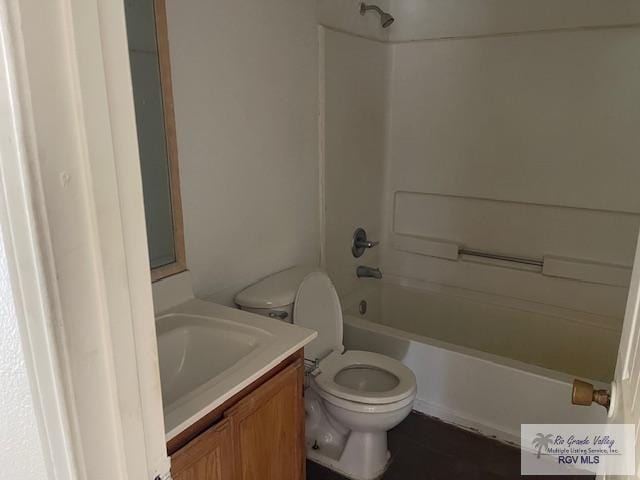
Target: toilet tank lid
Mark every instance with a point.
(277, 290)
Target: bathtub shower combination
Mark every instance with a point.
(481, 364)
(492, 159)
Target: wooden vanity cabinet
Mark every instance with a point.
(260, 435)
(207, 457)
(268, 430)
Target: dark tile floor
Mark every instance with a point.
(458, 454)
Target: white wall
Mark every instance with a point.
(21, 454)
(542, 116)
(420, 19)
(530, 135)
(423, 19)
(356, 105)
(547, 119)
(246, 101)
(344, 16)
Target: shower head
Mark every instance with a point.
(386, 19)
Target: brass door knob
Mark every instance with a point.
(583, 393)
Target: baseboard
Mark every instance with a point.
(468, 423)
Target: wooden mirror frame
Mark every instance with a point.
(162, 39)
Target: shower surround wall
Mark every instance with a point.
(508, 130)
(355, 117)
(543, 125)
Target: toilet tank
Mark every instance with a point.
(274, 295)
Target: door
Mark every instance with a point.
(625, 407)
(268, 429)
(208, 457)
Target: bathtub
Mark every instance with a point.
(483, 362)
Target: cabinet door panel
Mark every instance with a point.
(207, 457)
(268, 429)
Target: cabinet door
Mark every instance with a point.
(207, 457)
(268, 429)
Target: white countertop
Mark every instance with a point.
(279, 340)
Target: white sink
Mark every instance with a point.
(209, 352)
(195, 350)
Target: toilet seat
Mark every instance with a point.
(317, 307)
(380, 384)
(376, 389)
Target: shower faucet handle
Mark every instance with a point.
(361, 242)
(367, 244)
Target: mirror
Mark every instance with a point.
(153, 98)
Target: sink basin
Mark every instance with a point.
(210, 352)
(195, 350)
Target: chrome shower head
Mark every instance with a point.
(386, 19)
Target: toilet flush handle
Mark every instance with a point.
(311, 366)
(280, 315)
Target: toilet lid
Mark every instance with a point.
(317, 307)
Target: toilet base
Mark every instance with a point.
(364, 457)
(356, 455)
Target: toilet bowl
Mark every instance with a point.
(366, 393)
(353, 398)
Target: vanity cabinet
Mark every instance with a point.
(207, 457)
(258, 434)
(268, 430)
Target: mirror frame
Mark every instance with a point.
(162, 39)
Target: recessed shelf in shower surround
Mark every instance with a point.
(588, 245)
(570, 268)
(593, 272)
(517, 228)
(426, 246)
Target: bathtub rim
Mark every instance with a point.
(578, 317)
(477, 355)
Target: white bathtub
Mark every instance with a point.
(481, 362)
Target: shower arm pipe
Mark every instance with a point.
(364, 8)
(506, 258)
(386, 19)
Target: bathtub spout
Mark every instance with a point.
(368, 272)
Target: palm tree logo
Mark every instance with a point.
(542, 441)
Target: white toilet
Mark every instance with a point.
(355, 397)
